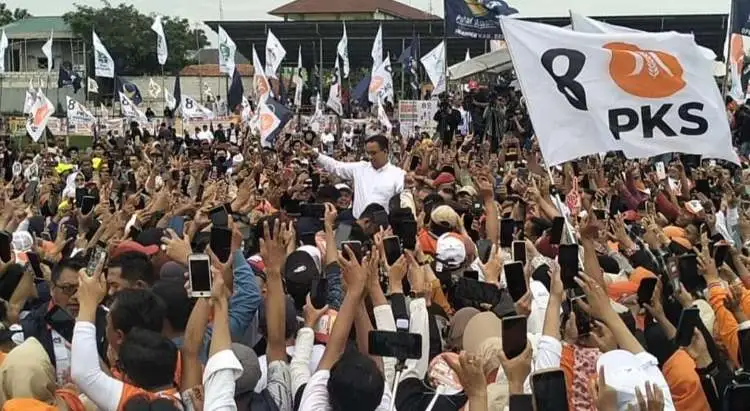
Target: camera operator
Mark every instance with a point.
(448, 120)
(494, 120)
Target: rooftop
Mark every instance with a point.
(38, 27)
(391, 7)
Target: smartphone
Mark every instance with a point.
(583, 319)
(219, 216)
(736, 397)
(395, 344)
(36, 264)
(688, 267)
(80, 193)
(744, 348)
(221, 243)
(293, 207)
(132, 184)
(702, 186)
(61, 321)
(515, 280)
(720, 254)
(523, 174)
(507, 227)
(549, 390)
(514, 335)
(556, 231)
(600, 214)
(646, 290)
(392, 247)
(688, 320)
(484, 250)
(381, 219)
(415, 160)
(519, 251)
(673, 271)
(567, 257)
(313, 210)
(473, 274)
(199, 270)
(661, 172)
(408, 234)
(5, 246)
(177, 224)
(356, 248)
(87, 204)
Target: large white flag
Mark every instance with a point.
(261, 86)
(104, 65)
(275, 53)
(585, 24)
(467, 57)
(39, 115)
(298, 81)
(247, 110)
(643, 93)
(268, 122)
(92, 86)
(434, 66)
(161, 41)
(47, 50)
(381, 82)
(78, 114)
(383, 117)
(30, 98)
(154, 90)
(130, 110)
(169, 99)
(192, 109)
(377, 48)
(3, 47)
(227, 50)
(342, 50)
(334, 93)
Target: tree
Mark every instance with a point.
(129, 39)
(7, 16)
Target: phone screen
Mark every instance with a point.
(646, 290)
(685, 328)
(292, 207)
(61, 321)
(737, 397)
(221, 242)
(177, 224)
(720, 254)
(313, 210)
(408, 234)
(514, 335)
(415, 160)
(744, 348)
(702, 186)
(555, 233)
(35, 264)
(392, 249)
(507, 226)
(549, 390)
(600, 214)
(200, 276)
(219, 216)
(484, 249)
(568, 260)
(5, 246)
(395, 344)
(356, 248)
(516, 280)
(688, 266)
(87, 204)
(519, 251)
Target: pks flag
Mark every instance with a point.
(30, 99)
(342, 50)
(227, 50)
(130, 110)
(381, 82)
(130, 89)
(643, 93)
(275, 53)
(236, 92)
(383, 117)
(78, 114)
(39, 115)
(261, 86)
(272, 117)
(408, 62)
(169, 99)
(104, 65)
(92, 86)
(3, 47)
(334, 93)
(478, 19)
(377, 48)
(434, 66)
(70, 78)
(161, 41)
(154, 90)
(299, 82)
(47, 50)
(192, 109)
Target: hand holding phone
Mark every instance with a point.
(199, 270)
(514, 335)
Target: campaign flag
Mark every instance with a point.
(247, 110)
(92, 86)
(30, 98)
(130, 110)
(104, 65)
(478, 19)
(383, 117)
(377, 48)
(169, 99)
(236, 91)
(434, 66)
(192, 109)
(299, 82)
(154, 90)
(334, 93)
(642, 93)
(161, 41)
(342, 50)
(272, 117)
(261, 86)
(39, 114)
(467, 57)
(381, 82)
(130, 89)
(3, 47)
(78, 114)
(177, 92)
(408, 60)
(740, 18)
(47, 50)
(275, 53)
(227, 50)
(67, 77)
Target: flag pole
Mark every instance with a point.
(163, 87)
(728, 62)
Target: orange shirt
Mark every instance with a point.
(684, 383)
(129, 392)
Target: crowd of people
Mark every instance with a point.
(382, 272)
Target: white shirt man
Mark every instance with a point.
(327, 140)
(206, 134)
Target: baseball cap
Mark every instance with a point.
(445, 215)
(480, 328)
(132, 246)
(251, 372)
(625, 372)
(468, 190)
(450, 251)
(342, 186)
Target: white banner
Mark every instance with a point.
(645, 94)
(261, 86)
(78, 114)
(381, 82)
(297, 79)
(334, 93)
(169, 99)
(104, 65)
(161, 41)
(342, 50)
(434, 66)
(275, 53)
(29, 101)
(47, 50)
(377, 49)
(39, 115)
(227, 50)
(192, 109)
(92, 85)
(383, 117)
(3, 47)
(130, 110)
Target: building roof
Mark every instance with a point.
(391, 7)
(38, 27)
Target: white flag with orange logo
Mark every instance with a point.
(381, 82)
(643, 93)
(39, 115)
(334, 93)
(261, 86)
(268, 122)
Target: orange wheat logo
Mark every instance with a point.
(644, 73)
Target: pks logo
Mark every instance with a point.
(644, 73)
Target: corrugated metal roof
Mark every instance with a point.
(391, 7)
(38, 27)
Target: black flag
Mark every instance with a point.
(236, 91)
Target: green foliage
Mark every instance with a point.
(8, 16)
(128, 36)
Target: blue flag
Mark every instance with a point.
(129, 89)
(67, 77)
(478, 19)
(236, 91)
(283, 114)
(408, 59)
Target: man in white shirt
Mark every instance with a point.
(376, 181)
(348, 138)
(327, 141)
(205, 134)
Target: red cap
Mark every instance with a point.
(132, 246)
(444, 178)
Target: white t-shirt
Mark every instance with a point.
(206, 135)
(348, 139)
(317, 354)
(327, 139)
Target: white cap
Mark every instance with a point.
(342, 186)
(625, 372)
